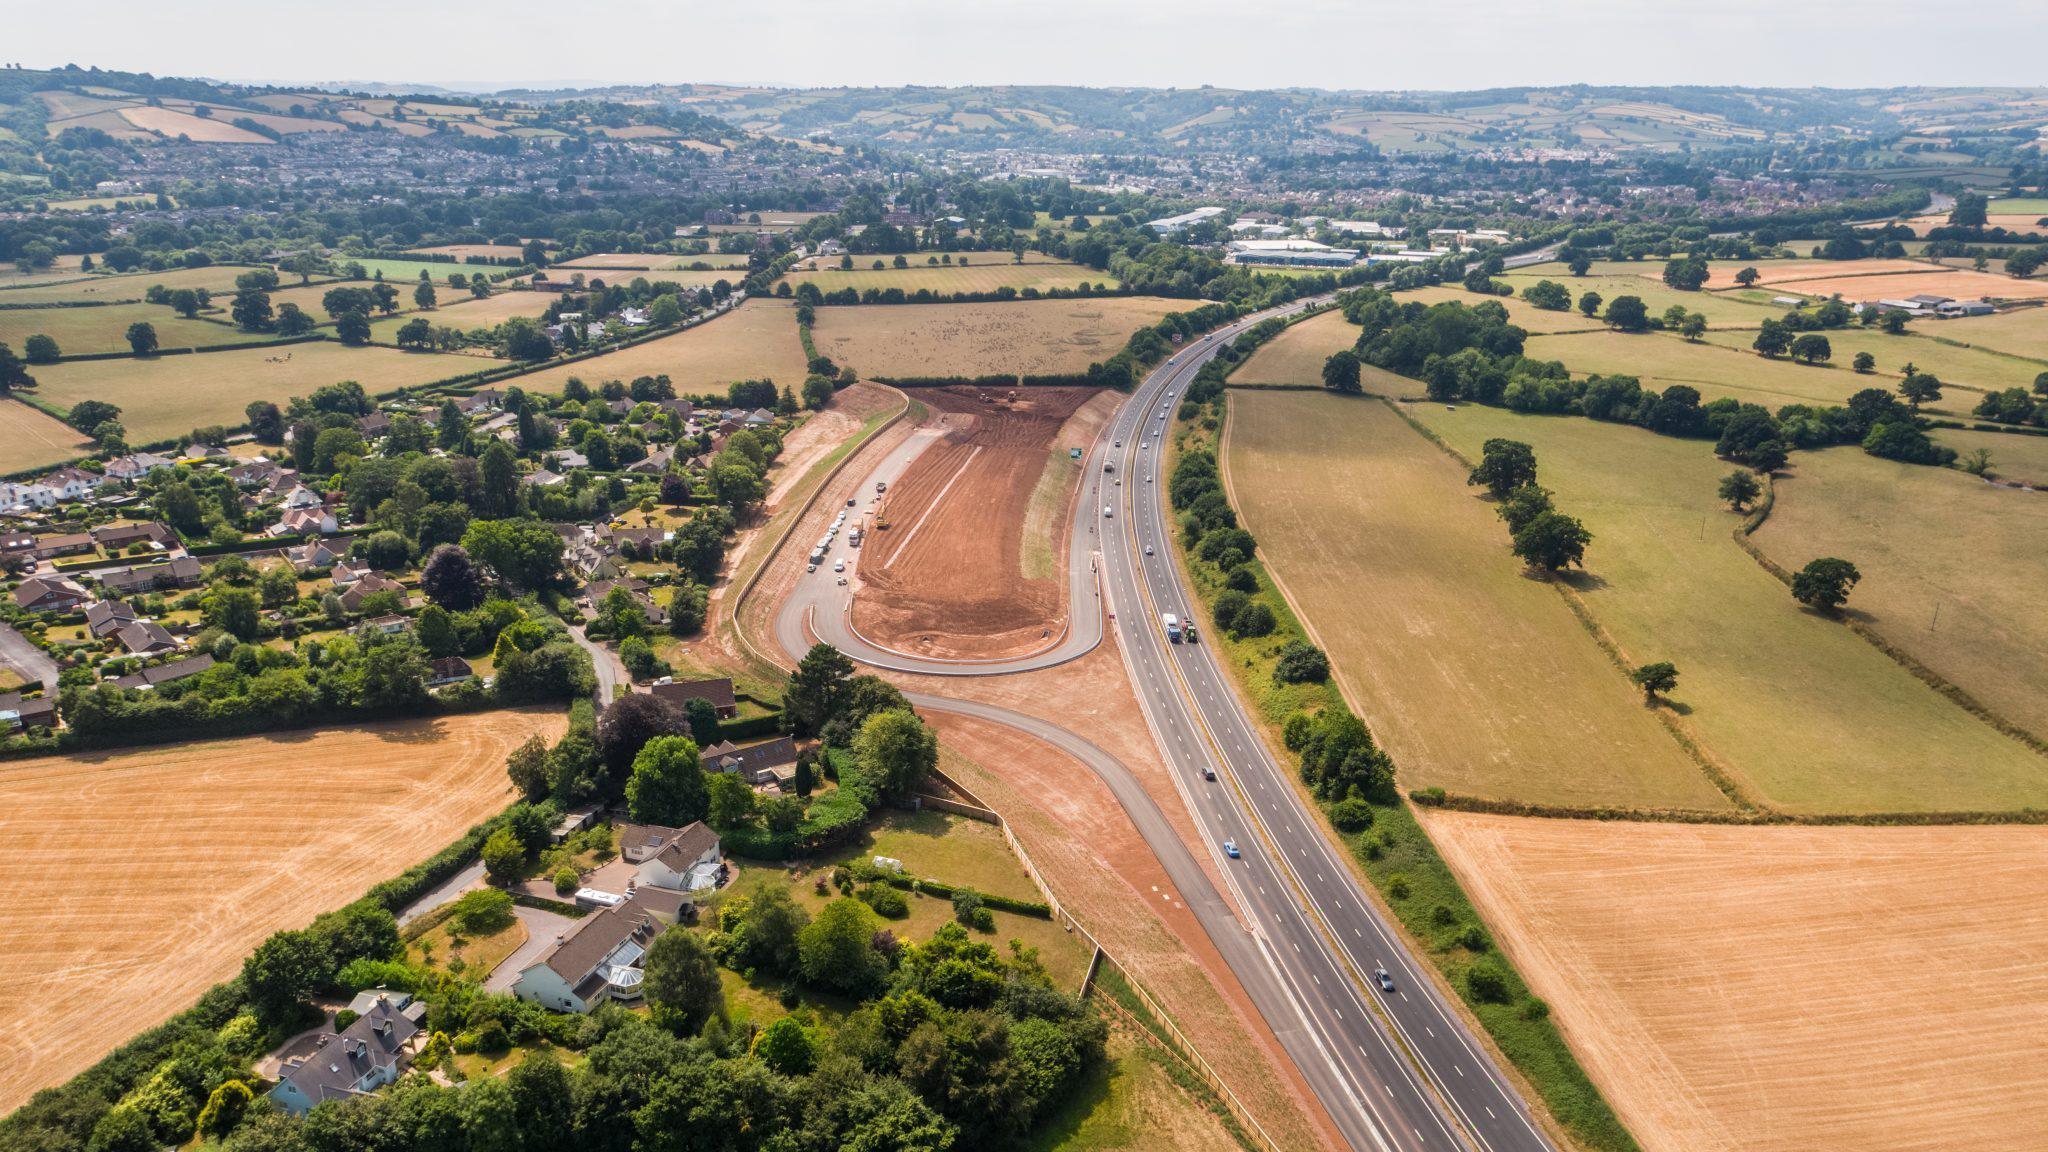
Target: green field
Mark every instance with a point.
(1807, 715)
(168, 396)
(2015, 456)
(988, 272)
(462, 313)
(1720, 310)
(409, 270)
(1953, 568)
(79, 331)
(2020, 332)
(2020, 206)
(1476, 678)
(218, 279)
(1527, 316)
(1974, 369)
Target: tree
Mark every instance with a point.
(1970, 210)
(768, 936)
(1812, 348)
(1772, 338)
(1747, 277)
(1341, 372)
(1655, 678)
(1893, 321)
(1579, 264)
(1301, 663)
(251, 310)
(836, 950)
(1523, 505)
(1504, 465)
(142, 337)
(185, 302)
(1686, 274)
(293, 320)
(527, 767)
(423, 296)
(285, 971)
(1552, 541)
(1693, 326)
(526, 553)
(787, 1047)
(450, 579)
(688, 604)
(815, 689)
(1864, 363)
(667, 786)
(524, 339)
(40, 349)
(1739, 488)
(1548, 295)
(87, 415)
(1589, 304)
(730, 802)
(12, 374)
(1627, 314)
(1824, 583)
(503, 855)
(232, 610)
(680, 980)
(415, 333)
(897, 750)
(702, 716)
(1919, 387)
(629, 723)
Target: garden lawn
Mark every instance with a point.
(1807, 715)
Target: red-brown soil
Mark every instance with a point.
(945, 579)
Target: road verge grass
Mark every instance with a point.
(1395, 855)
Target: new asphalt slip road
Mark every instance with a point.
(1395, 1070)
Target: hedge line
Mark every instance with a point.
(239, 346)
(988, 899)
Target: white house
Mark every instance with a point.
(14, 496)
(72, 483)
(599, 957)
(367, 1055)
(137, 466)
(301, 497)
(678, 859)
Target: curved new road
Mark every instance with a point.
(1391, 1060)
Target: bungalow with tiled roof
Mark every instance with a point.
(48, 594)
(599, 957)
(718, 693)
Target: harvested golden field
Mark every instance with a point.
(460, 312)
(755, 341)
(78, 331)
(997, 272)
(1782, 989)
(1804, 714)
(1296, 356)
(1721, 273)
(2020, 332)
(146, 876)
(205, 129)
(1937, 280)
(1952, 567)
(166, 396)
(465, 251)
(218, 279)
(1027, 336)
(30, 438)
(1476, 678)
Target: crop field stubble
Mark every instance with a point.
(757, 340)
(1476, 678)
(995, 271)
(1295, 357)
(1810, 717)
(946, 578)
(1741, 988)
(30, 438)
(1026, 336)
(96, 954)
(166, 396)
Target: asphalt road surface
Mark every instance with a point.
(1395, 1068)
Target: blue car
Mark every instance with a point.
(1230, 849)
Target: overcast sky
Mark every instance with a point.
(1374, 44)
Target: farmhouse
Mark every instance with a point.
(678, 859)
(599, 958)
(718, 693)
(1953, 309)
(367, 1055)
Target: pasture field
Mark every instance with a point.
(1296, 356)
(1772, 273)
(1953, 567)
(63, 268)
(464, 251)
(79, 331)
(409, 270)
(88, 203)
(1474, 677)
(2021, 332)
(1805, 715)
(1741, 988)
(755, 341)
(464, 313)
(640, 261)
(1531, 319)
(1972, 368)
(978, 277)
(1028, 336)
(1716, 371)
(708, 259)
(217, 278)
(866, 262)
(168, 396)
(2015, 456)
(2034, 206)
(1720, 311)
(31, 438)
(316, 818)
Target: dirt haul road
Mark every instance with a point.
(953, 551)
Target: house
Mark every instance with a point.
(364, 1057)
(385, 625)
(758, 418)
(180, 572)
(682, 408)
(367, 586)
(196, 451)
(572, 822)
(655, 462)
(17, 496)
(633, 317)
(374, 425)
(300, 496)
(348, 572)
(137, 466)
(165, 673)
(598, 958)
(315, 555)
(18, 711)
(678, 859)
(146, 638)
(117, 537)
(72, 483)
(718, 693)
(366, 1000)
(448, 670)
(569, 458)
(69, 544)
(301, 521)
(48, 594)
(542, 478)
(258, 474)
(772, 762)
(105, 617)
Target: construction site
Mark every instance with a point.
(944, 569)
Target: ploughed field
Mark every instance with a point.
(143, 877)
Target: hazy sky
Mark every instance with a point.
(1318, 43)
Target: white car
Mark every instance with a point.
(1148, 549)
(1142, 446)
(1106, 511)
(839, 566)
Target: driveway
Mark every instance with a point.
(449, 889)
(610, 672)
(541, 929)
(31, 662)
